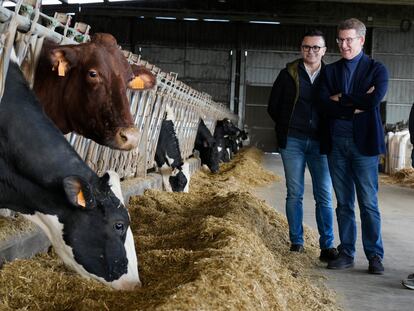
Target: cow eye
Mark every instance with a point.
(92, 73)
(119, 227)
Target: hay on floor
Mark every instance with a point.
(14, 226)
(210, 249)
(403, 177)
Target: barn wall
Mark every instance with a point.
(171, 44)
(206, 70)
(395, 49)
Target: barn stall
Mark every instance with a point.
(390, 41)
(217, 247)
(28, 29)
(220, 199)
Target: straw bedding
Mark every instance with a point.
(14, 226)
(404, 177)
(215, 248)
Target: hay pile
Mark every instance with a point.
(14, 226)
(242, 173)
(404, 177)
(213, 250)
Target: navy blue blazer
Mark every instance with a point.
(367, 126)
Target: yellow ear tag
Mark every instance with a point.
(137, 83)
(81, 199)
(61, 69)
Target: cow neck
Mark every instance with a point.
(44, 154)
(51, 100)
(168, 143)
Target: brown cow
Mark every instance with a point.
(83, 89)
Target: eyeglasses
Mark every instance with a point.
(314, 48)
(348, 41)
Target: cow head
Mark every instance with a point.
(175, 179)
(96, 76)
(93, 235)
(210, 156)
(229, 128)
(178, 181)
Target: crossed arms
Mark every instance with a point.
(367, 97)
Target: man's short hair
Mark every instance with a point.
(353, 23)
(314, 33)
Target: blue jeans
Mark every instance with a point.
(353, 172)
(295, 156)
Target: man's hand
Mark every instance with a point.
(371, 89)
(335, 97)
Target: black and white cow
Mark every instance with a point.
(207, 147)
(243, 135)
(225, 134)
(42, 177)
(175, 172)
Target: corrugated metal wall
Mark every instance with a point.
(395, 49)
(268, 47)
(206, 70)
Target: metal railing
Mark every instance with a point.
(26, 29)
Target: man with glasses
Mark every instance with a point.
(351, 91)
(293, 107)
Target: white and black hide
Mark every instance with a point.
(176, 175)
(42, 177)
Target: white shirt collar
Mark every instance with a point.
(313, 76)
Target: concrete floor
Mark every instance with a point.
(357, 290)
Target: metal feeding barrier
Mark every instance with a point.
(26, 28)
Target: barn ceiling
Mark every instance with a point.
(378, 13)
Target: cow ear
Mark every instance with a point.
(105, 39)
(144, 78)
(78, 192)
(63, 59)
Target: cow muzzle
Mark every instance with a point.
(126, 138)
(126, 285)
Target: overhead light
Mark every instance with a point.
(190, 19)
(8, 4)
(120, 0)
(50, 2)
(71, 13)
(165, 17)
(85, 1)
(216, 20)
(265, 22)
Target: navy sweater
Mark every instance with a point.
(368, 133)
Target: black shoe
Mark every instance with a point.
(342, 262)
(408, 283)
(328, 254)
(297, 248)
(375, 265)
